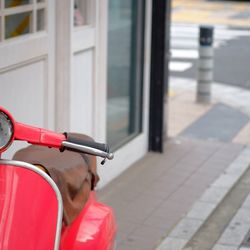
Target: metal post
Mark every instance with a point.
(205, 67)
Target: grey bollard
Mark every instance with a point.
(205, 65)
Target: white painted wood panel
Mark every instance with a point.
(81, 96)
(22, 93)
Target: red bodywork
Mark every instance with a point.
(29, 206)
(93, 229)
(28, 210)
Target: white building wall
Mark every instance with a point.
(27, 77)
(58, 79)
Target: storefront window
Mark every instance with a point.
(21, 17)
(125, 46)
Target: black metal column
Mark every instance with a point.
(159, 72)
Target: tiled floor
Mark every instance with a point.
(151, 197)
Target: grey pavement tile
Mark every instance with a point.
(212, 172)
(187, 167)
(224, 247)
(145, 201)
(201, 210)
(154, 194)
(126, 226)
(237, 228)
(148, 231)
(225, 181)
(166, 222)
(174, 176)
(172, 244)
(186, 228)
(234, 234)
(214, 194)
(186, 194)
(217, 163)
(162, 189)
(207, 126)
(246, 203)
(238, 167)
(136, 215)
(138, 242)
(172, 207)
(132, 246)
(242, 216)
(177, 173)
(198, 180)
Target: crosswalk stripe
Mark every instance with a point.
(184, 53)
(184, 43)
(179, 66)
(218, 31)
(217, 36)
(192, 44)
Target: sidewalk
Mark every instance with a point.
(157, 193)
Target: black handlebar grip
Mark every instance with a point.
(86, 141)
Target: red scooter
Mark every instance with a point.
(41, 208)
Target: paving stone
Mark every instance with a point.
(225, 181)
(171, 243)
(166, 222)
(186, 228)
(214, 194)
(201, 210)
(246, 203)
(234, 234)
(224, 247)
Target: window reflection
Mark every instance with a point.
(124, 85)
(17, 24)
(15, 3)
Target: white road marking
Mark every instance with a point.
(191, 44)
(184, 53)
(184, 43)
(179, 66)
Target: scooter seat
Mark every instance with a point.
(74, 173)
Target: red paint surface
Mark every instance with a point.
(38, 136)
(28, 210)
(28, 206)
(94, 228)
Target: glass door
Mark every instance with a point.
(125, 64)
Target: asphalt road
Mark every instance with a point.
(231, 63)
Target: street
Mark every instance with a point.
(231, 41)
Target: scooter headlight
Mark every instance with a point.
(6, 131)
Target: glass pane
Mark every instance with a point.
(17, 24)
(124, 87)
(81, 12)
(41, 20)
(14, 3)
(1, 33)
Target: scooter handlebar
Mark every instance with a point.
(92, 144)
(74, 143)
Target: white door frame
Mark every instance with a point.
(138, 147)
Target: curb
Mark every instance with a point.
(207, 204)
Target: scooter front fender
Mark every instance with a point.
(94, 228)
